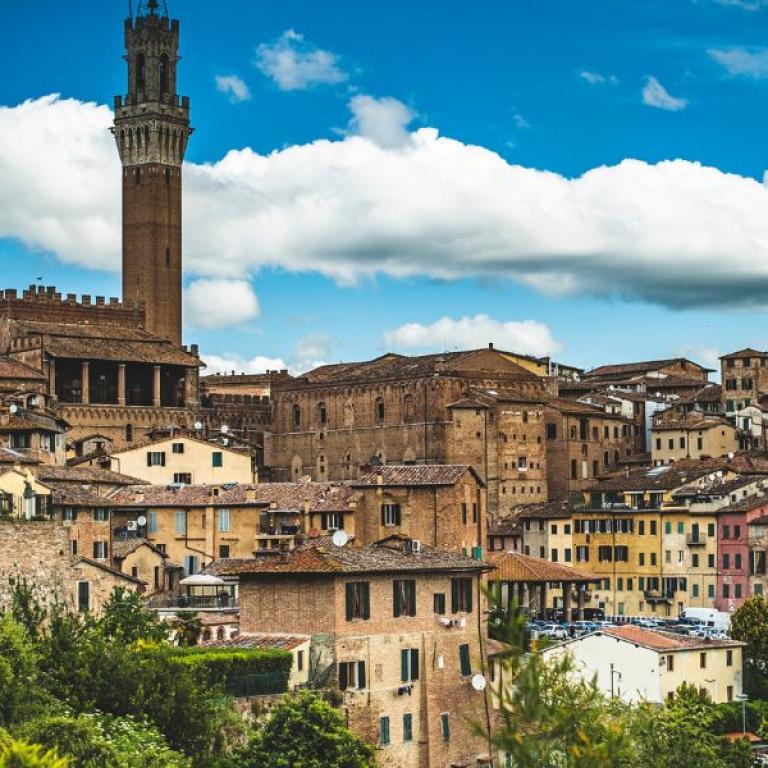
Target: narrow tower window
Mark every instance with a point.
(167, 257)
(163, 74)
(140, 72)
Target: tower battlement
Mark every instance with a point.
(45, 304)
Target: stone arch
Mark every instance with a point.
(349, 412)
(409, 456)
(297, 467)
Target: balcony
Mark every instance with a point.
(222, 602)
(695, 539)
(656, 596)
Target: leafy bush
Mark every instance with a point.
(19, 754)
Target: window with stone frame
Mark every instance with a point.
(351, 675)
(390, 514)
(461, 595)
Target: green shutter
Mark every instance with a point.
(414, 663)
(469, 586)
(361, 674)
(404, 654)
(454, 595)
(366, 600)
(407, 727)
(466, 666)
(412, 597)
(446, 728)
(342, 676)
(384, 730)
(350, 600)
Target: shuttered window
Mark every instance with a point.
(445, 726)
(466, 665)
(358, 599)
(384, 730)
(409, 665)
(404, 597)
(461, 595)
(407, 727)
(390, 514)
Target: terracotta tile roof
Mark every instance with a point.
(73, 495)
(512, 566)
(24, 424)
(414, 475)
(747, 504)
(177, 438)
(469, 403)
(86, 475)
(697, 424)
(658, 640)
(718, 486)
(746, 352)
(229, 494)
(387, 556)
(106, 342)
(398, 367)
(667, 477)
(582, 409)
(643, 366)
(507, 526)
(106, 568)
(9, 456)
(121, 548)
(545, 510)
(279, 642)
(13, 369)
(321, 497)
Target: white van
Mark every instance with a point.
(719, 620)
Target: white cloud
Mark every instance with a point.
(525, 336)
(742, 61)
(217, 303)
(295, 65)
(656, 95)
(675, 233)
(313, 351)
(227, 363)
(597, 78)
(520, 121)
(384, 121)
(234, 87)
(747, 5)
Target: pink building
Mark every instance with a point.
(740, 570)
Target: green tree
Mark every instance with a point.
(681, 734)
(550, 717)
(188, 629)
(125, 618)
(26, 608)
(749, 623)
(19, 754)
(304, 731)
(78, 738)
(19, 690)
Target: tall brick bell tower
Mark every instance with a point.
(152, 130)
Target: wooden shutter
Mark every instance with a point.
(397, 514)
(411, 597)
(404, 658)
(350, 600)
(414, 663)
(366, 600)
(468, 594)
(361, 674)
(342, 676)
(396, 607)
(454, 595)
(149, 458)
(382, 515)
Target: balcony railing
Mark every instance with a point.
(194, 603)
(657, 596)
(695, 539)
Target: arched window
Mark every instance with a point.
(380, 410)
(322, 414)
(296, 415)
(409, 413)
(129, 433)
(164, 74)
(140, 72)
(220, 633)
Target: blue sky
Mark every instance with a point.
(559, 86)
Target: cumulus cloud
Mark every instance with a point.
(597, 78)
(234, 87)
(656, 95)
(747, 5)
(525, 336)
(313, 351)
(227, 363)
(384, 121)
(294, 64)
(708, 356)
(752, 62)
(674, 233)
(216, 303)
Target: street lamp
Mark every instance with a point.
(743, 698)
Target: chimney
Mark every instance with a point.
(490, 345)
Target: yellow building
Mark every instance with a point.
(652, 549)
(186, 460)
(23, 496)
(692, 439)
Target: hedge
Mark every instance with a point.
(227, 667)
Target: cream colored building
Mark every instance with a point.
(635, 664)
(185, 460)
(692, 440)
(22, 496)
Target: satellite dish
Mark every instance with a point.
(14, 408)
(198, 425)
(141, 521)
(340, 538)
(730, 455)
(224, 429)
(478, 682)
